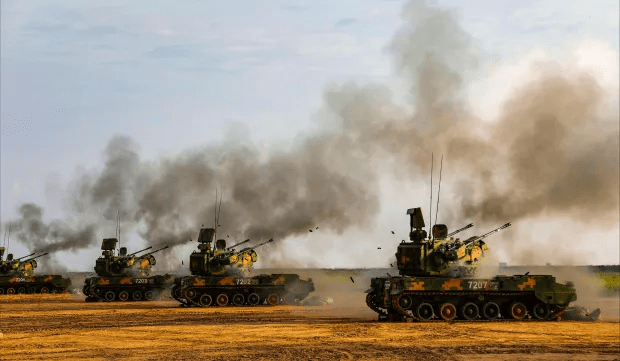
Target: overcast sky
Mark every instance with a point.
(175, 76)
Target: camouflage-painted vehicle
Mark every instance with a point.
(126, 277)
(437, 280)
(17, 276)
(220, 277)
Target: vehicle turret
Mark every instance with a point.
(220, 260)
(17, 267)
(109, 265)
(442, 254)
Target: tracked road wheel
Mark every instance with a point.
(238, 299)
(222, 299)
(149, 295)
(190, 293)
(136, 295)
(21, 290)
(447, 311)
(405, 302)
(123, 296)
(490, 311)
(540, 311)
(205, 300)
(273, 299)
(31, 290)
(110, 296)
(424, 311)
(469, 311)
(1, 291)
(10, 291)
(518, 311)
(253, 299)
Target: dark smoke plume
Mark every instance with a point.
(40, 237)
(552, 152)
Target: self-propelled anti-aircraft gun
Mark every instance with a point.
(438, 280)
(17, 276)
(221, 277)
(125, 276)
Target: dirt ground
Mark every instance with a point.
(64, 327)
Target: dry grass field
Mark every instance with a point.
(64, 327)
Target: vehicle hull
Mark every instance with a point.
(518, 297)
(33, 284)
(123, 289)
(272, 289)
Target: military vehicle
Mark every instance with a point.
(438, 280)
(221, 277)
(125, 277)
(17, 276)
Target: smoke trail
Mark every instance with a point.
(40, 237)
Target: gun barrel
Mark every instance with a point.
(238, 244)
(131, 254)
(17, 259)
(488, 233)
(150, 253)
(41, 255)
(495, 230)
(460, 230)
(258, 245)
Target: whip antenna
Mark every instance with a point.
(118, 229)
(215, 215)
(439, 191)
(430, 208)
(219, 210)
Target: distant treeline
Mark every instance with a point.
(605, 268)
(594, 269)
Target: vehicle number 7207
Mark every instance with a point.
(482, 285)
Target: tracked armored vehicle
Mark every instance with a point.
(125, 277)
(221, 277)
(438, 281)
(17, 276)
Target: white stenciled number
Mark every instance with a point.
(240, 281)
(483, 285)
(476, 285)
(141, 280)
(20, 280)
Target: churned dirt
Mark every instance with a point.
(64, 327)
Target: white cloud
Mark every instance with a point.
(594, 57)
(599, 59)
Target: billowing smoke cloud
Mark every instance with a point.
(40, 237)
(553, 152)
(561, 155)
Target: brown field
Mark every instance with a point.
(64, 327)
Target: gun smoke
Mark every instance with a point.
(553, 151)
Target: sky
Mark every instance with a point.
(147, 96)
